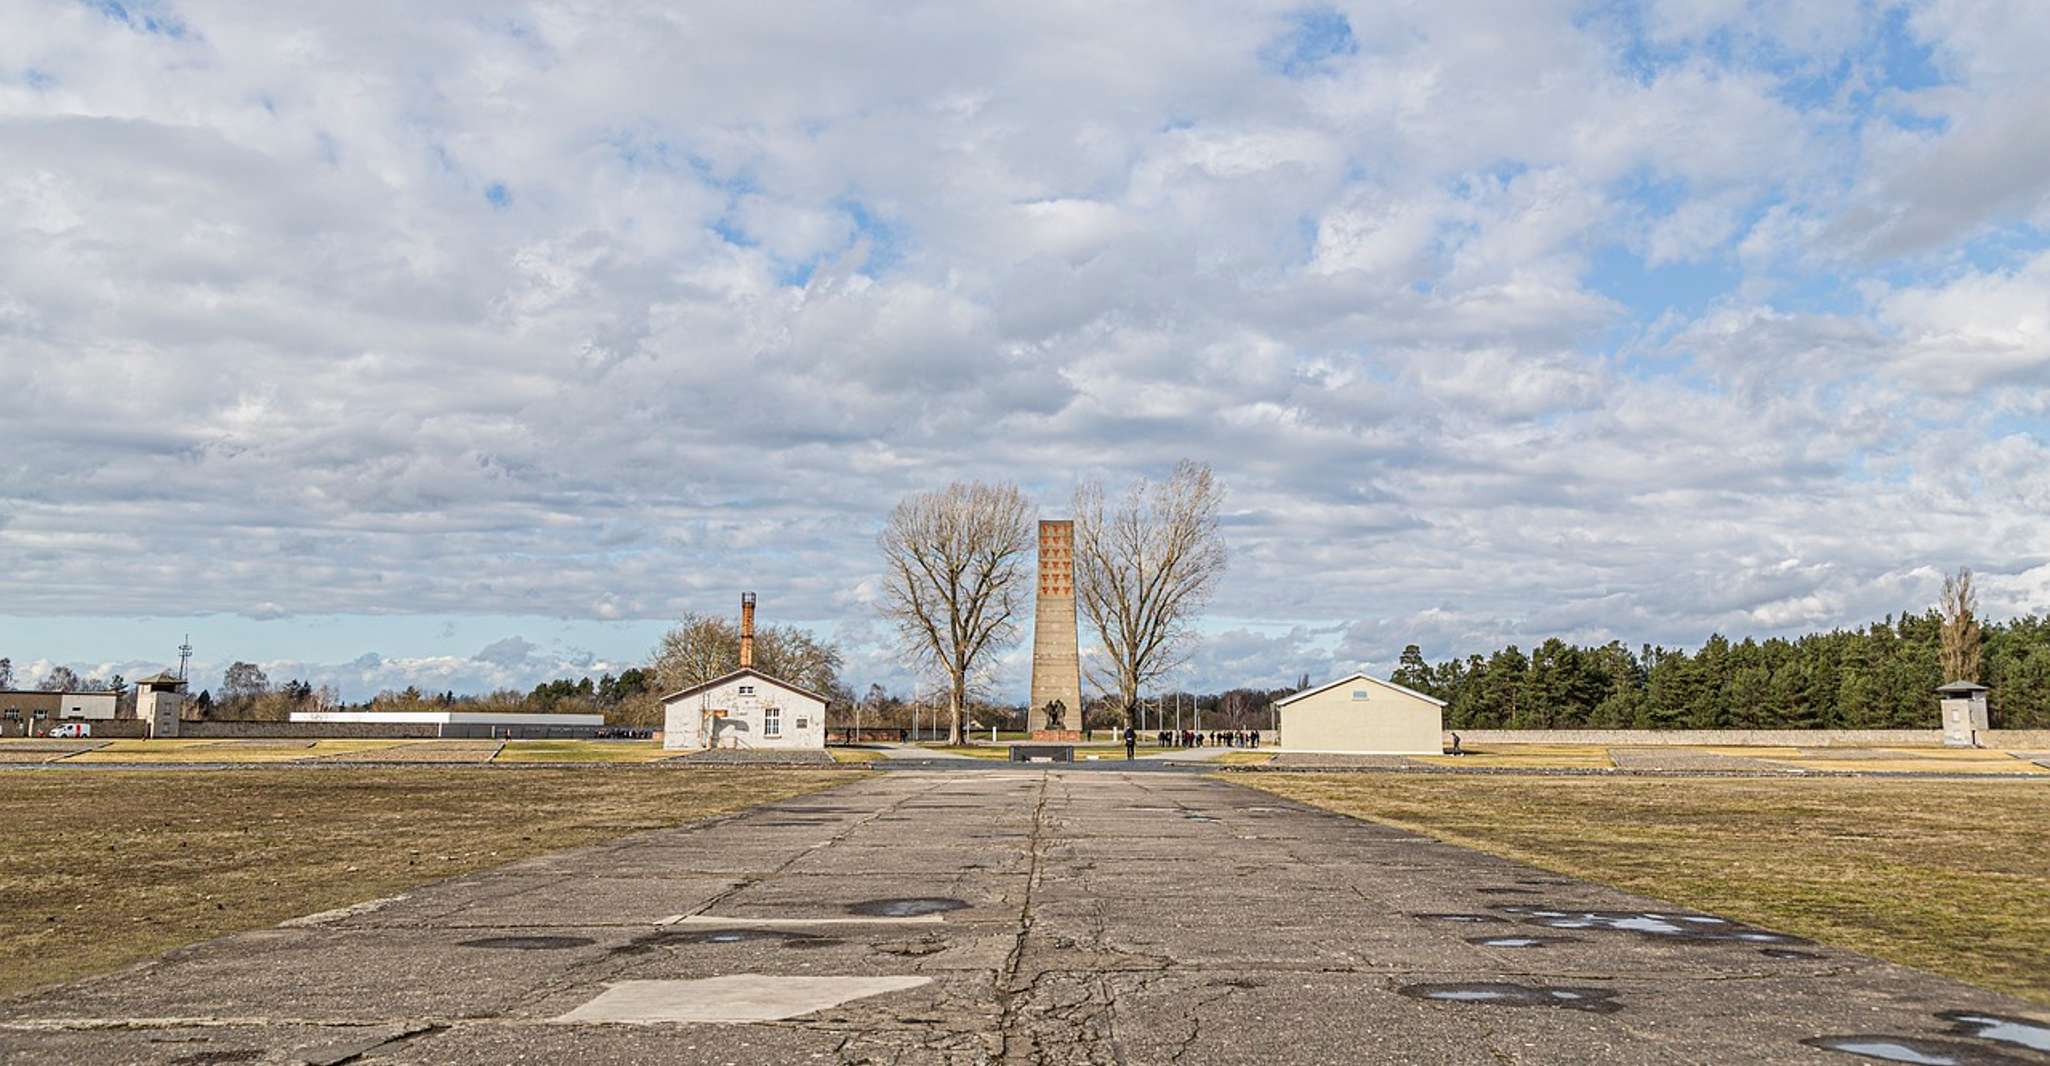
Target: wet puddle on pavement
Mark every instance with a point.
(528, 943)
(1660, 924)
(1519, 941)
(909, 907)
(1912, 1050)
(1502, 994)
(2000, 1028)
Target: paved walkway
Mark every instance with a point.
(1017, 916)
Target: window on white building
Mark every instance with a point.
(1359, 693)
(747, 690)
(772, 721)
(803, 723)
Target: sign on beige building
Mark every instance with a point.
(1362, 715)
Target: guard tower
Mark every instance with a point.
(158, 701)
(1964, 713)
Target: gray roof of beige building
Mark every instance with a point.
(1327, 686)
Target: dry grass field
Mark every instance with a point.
(1948, 876)
(109, 867)
(283, 750)
(583, 751)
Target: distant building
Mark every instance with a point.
(478, 724)
(746, 708)
(1965, 714)
(160, 702)
(1362, 715)
(26, 713)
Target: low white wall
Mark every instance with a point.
(1768, 738)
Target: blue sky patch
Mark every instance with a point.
(1315, 37)
(140, 15)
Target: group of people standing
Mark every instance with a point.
(1189, 738)
(1216, 738)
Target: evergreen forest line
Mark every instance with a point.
(1880, 676)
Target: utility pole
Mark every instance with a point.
(184, 656)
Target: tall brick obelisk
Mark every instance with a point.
(1056, 659)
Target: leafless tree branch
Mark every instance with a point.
(955, 580)
(1143, 567)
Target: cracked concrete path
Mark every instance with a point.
(1012, 915)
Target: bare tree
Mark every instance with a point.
(1960, 633)
(62, 679)
(1143, 566)
(957, 580)
(701, 647)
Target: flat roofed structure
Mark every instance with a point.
(469, 723)
(31, 712)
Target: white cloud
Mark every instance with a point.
(603, 312)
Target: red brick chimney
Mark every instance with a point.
(747, 630)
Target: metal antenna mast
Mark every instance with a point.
(184, 655)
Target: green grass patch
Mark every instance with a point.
(970, 751)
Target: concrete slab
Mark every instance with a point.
(1136, 917)
(747, 997)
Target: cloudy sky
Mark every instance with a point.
(468, 343)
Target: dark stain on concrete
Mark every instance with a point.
(1504, 994)
(1784, 953)
(528, 943)
(641, 945)
(908, 907)
(1469, 919)
(217, 1058)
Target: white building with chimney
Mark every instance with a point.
(746, 709)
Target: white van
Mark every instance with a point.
(72, 729)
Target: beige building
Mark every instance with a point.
(160, 701)
(1362, 715)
